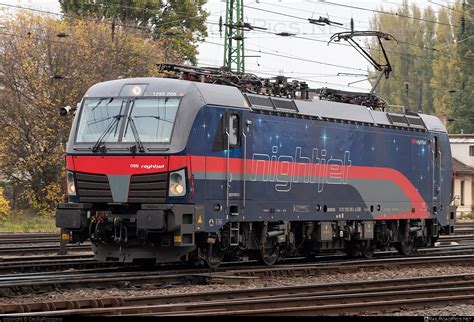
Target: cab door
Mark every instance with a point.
(236, 142)
(234, 151)
(437, 157)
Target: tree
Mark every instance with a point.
(134, 12)
(410, 57)
(40, 72)
(429, 41)
(463, 79)
(4, 205)
(178, 24)
(434, 57)
(443, 69)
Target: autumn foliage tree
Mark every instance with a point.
(410, 55)
(47, 63)
(462, 111)
(4, 205)
(178, 24)
(432, 61)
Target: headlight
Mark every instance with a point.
(71, 186)
(177, 188)
(177, 185)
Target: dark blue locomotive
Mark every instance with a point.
(173, 170)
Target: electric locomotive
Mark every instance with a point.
(172, 170)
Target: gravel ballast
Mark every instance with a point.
(333, 277)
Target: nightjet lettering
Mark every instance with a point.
(147, 166)
(300, 168)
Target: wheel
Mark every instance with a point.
(407, 242)
(214, 255)
(406, 246)
(368, 249)
(269, 252)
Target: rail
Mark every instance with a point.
(314, 299)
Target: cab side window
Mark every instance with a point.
(435, 146)
(228, 131)
(233, 129)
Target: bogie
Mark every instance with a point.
(269, 243)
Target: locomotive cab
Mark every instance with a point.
(129, 181)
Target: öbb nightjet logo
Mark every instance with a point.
(418, 141)
(146, 166)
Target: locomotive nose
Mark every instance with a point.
(120, 179)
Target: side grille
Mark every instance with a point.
(93, 188)
(148, 188)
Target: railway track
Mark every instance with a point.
(447, 249)
(12, 263)
(456, 238)
(465, 223)
(33, 240)
(13, 244)
(84, 260)
(97, 275)
(28, 238)
(40, 249)
(464, 228)
(314, 299)
(49, 263)
(86, 247)
(126, 277)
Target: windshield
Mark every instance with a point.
(153, 118)
(96, 116)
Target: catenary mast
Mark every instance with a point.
(234, 36)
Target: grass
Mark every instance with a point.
(26, 222)
(466, 215)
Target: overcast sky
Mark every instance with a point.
(271, 48)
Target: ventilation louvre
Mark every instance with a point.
(397, 119)
(93, 187)
(259, 101)
(415, 121)
(148, 188)
(284, 104)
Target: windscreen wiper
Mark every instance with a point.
(155, 117)
(100, 102)
(140, 146)
(107, 132)
(101, 120)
